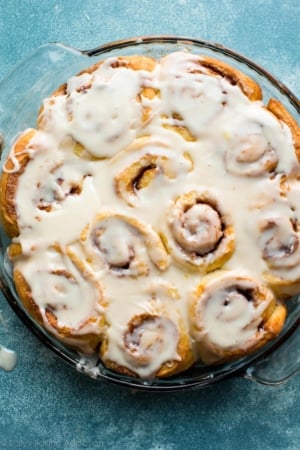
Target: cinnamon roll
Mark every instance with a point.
(152, 344)
(42, 187)
(202, 234)
(251, 155)
(199, 83)
(180, 64)
(253, 149)
(62, 296)
(280, 245)
(235, 77)
(232, 315)
(123, 245)
(95, 110)
(145, 160)
(20, 154)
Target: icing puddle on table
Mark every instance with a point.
(8, 359)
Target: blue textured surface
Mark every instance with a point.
(44, 403)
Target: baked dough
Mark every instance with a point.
(154, 213)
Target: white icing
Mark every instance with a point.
(124, 245)
(101, 112)
(227, 317)
(151, 344)
(62, 288)
(199, 229)
(8, 359)
(103, 118)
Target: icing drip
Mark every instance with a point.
(8, 359)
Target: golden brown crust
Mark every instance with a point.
(273, 320)
(277, 108)
(88, 342)
(24, 292)
(9, 182)
(136, 62)
(249, 87)
(283, 288)
(14, 250)
(131, 62)
(181, 129)
(279, 244)
(183, 361)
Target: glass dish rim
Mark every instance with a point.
(173, 39)
(158, 384)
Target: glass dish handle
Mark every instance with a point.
(279, 364)
(32, 80)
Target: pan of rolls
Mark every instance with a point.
(152, 213)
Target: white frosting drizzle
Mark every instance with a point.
(230, 319)
(201, 221)
(61, 287)
(97, 118)
(101, 112)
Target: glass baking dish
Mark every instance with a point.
(21, 94)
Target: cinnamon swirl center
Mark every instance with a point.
(199, 230)
(233, 314)
(280, 243)
(202, 235)
(123, 245)
(150, 335)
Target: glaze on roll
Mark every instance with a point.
(154, 213)
(202, 233)
(61, 294)
(232, 315)
(123, 245)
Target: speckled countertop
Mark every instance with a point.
(46, 404)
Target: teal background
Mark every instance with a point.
(46, 404)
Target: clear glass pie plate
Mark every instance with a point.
(21, 94)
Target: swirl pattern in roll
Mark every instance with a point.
(142, 162)
(124, 245)
(280, 244)
(232, 315)
(154, 213)
(64, 297)
(154, 342)
(198, 78)
(113, 121)
(202, 233)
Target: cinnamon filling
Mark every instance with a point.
(144, 177)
